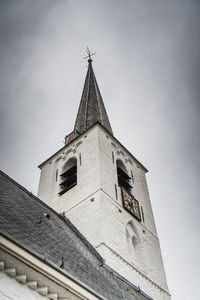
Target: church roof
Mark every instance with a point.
(30, 223)
(91, 108)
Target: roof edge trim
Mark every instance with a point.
(27, 257)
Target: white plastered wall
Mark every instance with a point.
(95, 209)
(88, 180)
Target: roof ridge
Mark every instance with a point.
(60, 216)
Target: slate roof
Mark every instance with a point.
(91, 108)
(24, 220)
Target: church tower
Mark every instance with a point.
(101, 187)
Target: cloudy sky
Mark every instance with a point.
(147, 65)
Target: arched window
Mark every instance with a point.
(123, 178)
(132, 239)
(68, 176)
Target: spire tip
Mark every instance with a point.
(89, 55)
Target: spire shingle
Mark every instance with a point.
(91, 108)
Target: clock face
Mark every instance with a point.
(131, 204)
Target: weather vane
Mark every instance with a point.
(89, 55)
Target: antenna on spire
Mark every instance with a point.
(89, 55)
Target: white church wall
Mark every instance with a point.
(92, 206)
(150, 259)
(109, 170)
(13, 290)
(146, 254)
(87, 173)
(87, 217)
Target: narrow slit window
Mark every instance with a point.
(56, 174)
(113, 159)
(132, 177)
(116, 192)
(142, 214)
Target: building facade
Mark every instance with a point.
(101, 188)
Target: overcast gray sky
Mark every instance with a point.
(147, 66)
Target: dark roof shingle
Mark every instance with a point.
(33, 225)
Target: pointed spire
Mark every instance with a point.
(91, 108)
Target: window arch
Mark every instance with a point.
(123, 178)
(132, 239)
(68, 176)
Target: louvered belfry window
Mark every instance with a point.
(68, 177)
(123, 178)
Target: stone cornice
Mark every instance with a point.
(61, 278)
